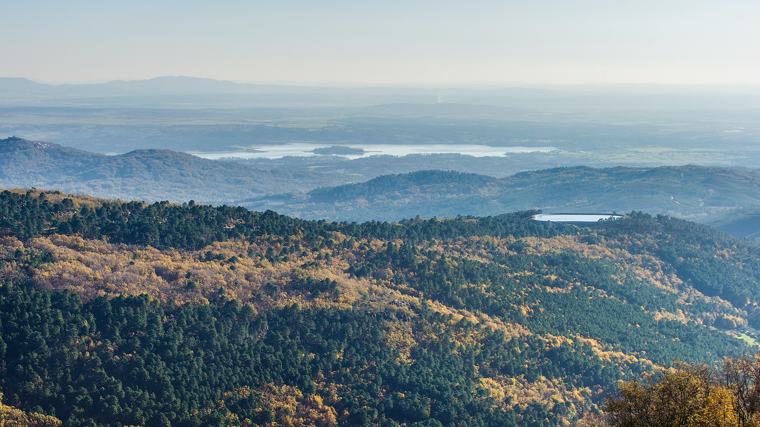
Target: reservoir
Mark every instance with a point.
(304, 149)
(570, 217)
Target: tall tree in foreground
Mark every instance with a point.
(691, 396)
(742, 376)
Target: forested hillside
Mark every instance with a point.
(142, 174)
(691, 192)
(127, 313)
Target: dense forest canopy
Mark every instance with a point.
(127, 313)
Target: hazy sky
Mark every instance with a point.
(384, 41)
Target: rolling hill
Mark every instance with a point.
(744, 223)
(693, 192)
(141, 174)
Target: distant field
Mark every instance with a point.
(748, 339)
(652, 155)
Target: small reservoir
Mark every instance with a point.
(575, 217)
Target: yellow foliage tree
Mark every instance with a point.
(286, 406)
(689, 396)
(12, 417)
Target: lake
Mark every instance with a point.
(569, 217)
(303, 149)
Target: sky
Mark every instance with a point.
(385, 42)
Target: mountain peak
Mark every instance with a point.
(15, 143)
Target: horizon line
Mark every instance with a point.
(438, 85)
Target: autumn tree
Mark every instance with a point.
(688, 396)
(592, 420)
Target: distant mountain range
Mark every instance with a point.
(158, 85)
(693, 192)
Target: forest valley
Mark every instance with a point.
(121, 313)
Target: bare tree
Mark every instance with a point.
(742, 377)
